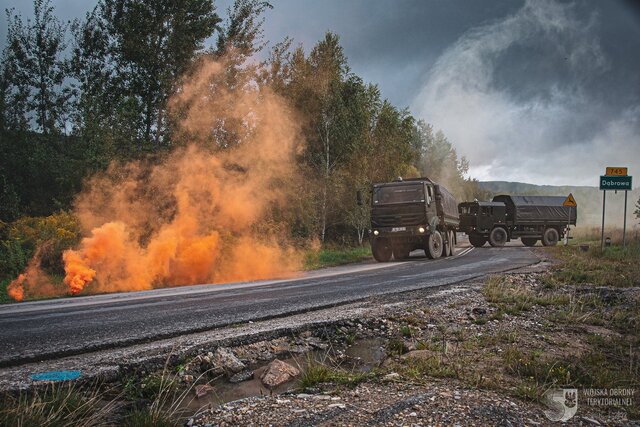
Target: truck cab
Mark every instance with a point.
(478, 219)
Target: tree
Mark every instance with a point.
(35, 71)
(637, 211)
(243, 30)
(138, 50)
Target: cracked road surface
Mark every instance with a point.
(43, 330)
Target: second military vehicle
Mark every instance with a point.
(530, 218)
(412, 214)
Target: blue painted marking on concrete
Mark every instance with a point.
(56, 376)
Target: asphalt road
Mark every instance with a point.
(42, 330)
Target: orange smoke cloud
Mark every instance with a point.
(16, 288)
(203, 214)
(33, 282)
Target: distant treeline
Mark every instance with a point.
(76, 97)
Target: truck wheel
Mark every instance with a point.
(550, 237)
(381, 249)
(529, 241)
(452, 243)
(477, 241)
(401, 252)
(498, 237)
(434, 245)
(445, 244)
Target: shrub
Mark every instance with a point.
(52, 234)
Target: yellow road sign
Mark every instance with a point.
(570, 201)
(614, 171)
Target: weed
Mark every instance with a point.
(59, 404)
(406, 332)
(318, 373)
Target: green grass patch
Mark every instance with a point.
(512, 299)
(318, 373)
(614, 266)
(328, 257)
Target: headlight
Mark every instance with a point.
(376, 232)
(421, 229)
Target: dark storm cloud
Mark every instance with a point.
(538, 96)
(540, 91)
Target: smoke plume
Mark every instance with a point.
(33, 282)
(207, 212)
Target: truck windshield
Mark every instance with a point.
(468, 209)
(398, 194)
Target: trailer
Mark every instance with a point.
(508, 217)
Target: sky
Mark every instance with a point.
(544, 91)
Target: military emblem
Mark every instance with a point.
(562, 404)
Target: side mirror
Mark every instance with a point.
(359, 197)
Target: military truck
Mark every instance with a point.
(412, 214)
(529, 218)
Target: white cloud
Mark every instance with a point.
(538, 136)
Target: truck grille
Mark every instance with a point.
(394, 216)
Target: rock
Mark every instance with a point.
(203, 389)
(277, 373)
(337, 405)
(409, 345)
(479, 311)
(241, 376)
(391, 377)
(224, 358)
(322, 397)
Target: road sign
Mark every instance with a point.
(614, 171)
(615, 182)
(570, 201)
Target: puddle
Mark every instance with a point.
(366, 354)
(363, 355)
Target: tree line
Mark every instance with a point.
(76, 97)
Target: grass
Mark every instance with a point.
(615, 266)
(328, 257)
(317, 373)
(153, 400)
(585, 289)
(512, 299)
(4, 298)
(58, 404)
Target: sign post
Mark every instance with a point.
(616, 178)
(570, 201)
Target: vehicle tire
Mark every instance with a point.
(498, 237)
(445, 244)
(434, 245)
(452, 242)
(550, 237)
(477, 241)
(381, 249)
(401, 252)
(529, 241)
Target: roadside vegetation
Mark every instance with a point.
(333, 256)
